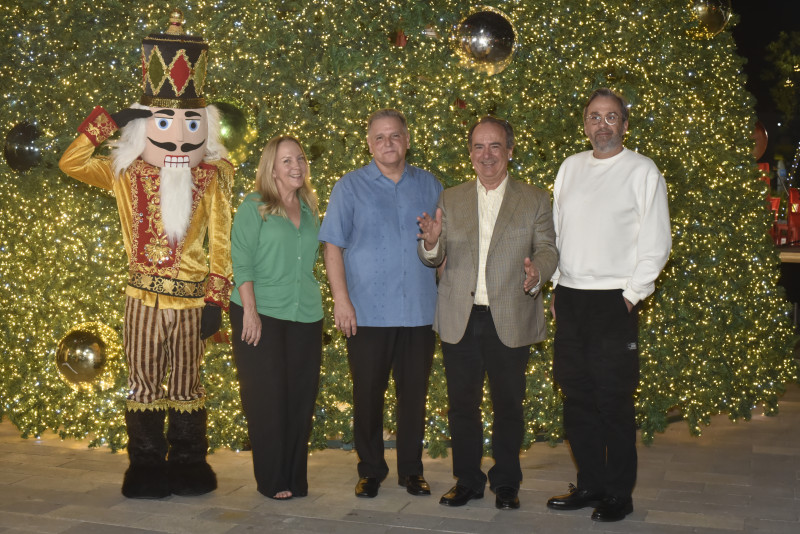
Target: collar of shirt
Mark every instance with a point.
(374, 172)
(500, 190)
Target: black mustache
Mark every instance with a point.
(188, 147)
(171, 147)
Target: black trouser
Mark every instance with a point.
(596, 363)
(480, 353)
(408, 353)
(278, 382)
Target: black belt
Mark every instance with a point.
(480, 307)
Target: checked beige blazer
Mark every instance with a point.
(524, 228)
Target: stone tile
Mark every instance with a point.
(773, 450)
(9, 478)
(34, 522)
(787, 509)
(738, 477)
(94, 514)
(28, 506)
(177, 524)
(62, 483)
(707, 477)
(683, 519)
(93, 528)
(772, 527)
(718, 498)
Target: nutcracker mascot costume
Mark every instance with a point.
(172, 186)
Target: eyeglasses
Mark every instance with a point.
(595, 119)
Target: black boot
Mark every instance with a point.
(189, 474)
(146, 477)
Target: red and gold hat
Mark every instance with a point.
(174, 67)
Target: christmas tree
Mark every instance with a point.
(715, 338)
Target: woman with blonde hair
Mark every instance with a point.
(276, 316)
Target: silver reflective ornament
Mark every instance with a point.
(485, 41)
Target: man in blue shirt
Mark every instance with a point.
(384, 297)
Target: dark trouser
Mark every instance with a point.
(480, 352)
(408, 353)
(596, 363)
(278, 382)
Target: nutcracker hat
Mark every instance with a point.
(174, 67)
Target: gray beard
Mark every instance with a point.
(176, 202)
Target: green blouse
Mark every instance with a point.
(279, 259)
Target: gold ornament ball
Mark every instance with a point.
(712, 16)
(81, 355)
(233, 125)
(485, 41)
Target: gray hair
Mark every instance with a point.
(388, 113)
(608, 93)
(504, 124)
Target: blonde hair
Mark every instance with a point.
(268, 189)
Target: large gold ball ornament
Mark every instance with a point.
(712, 15)
(485, 41)
(232, 125)
(83, 353)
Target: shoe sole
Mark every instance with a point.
(449, 503)
(592, 504)
(625, 513)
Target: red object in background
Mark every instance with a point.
(760, 135)
(780, 229)
(221, 337)
(793, 216)
(400, 38)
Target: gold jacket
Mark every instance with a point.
(160, 273)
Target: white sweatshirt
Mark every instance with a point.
(612, 223)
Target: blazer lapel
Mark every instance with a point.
(507, 209)
(470, 203)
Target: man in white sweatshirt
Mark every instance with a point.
(613, 236)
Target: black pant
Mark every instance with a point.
(408, 353)
(596, 363)
(278, 383)
(480, 352)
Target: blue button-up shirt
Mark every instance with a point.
(374, 221)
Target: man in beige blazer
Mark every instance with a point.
(494, 238)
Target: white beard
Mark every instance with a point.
(176, 202)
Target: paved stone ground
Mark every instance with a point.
(738, 477)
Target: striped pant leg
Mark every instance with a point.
(185, 350)
(145, 353)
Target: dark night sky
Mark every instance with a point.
(760, 23)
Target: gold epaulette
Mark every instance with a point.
(226, 173)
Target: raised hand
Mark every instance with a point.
(430, 228)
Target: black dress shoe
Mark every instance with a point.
(612, 509)
(576, 499)
(367, 487)
(459, 496)
(415, 485)
(506, 498)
